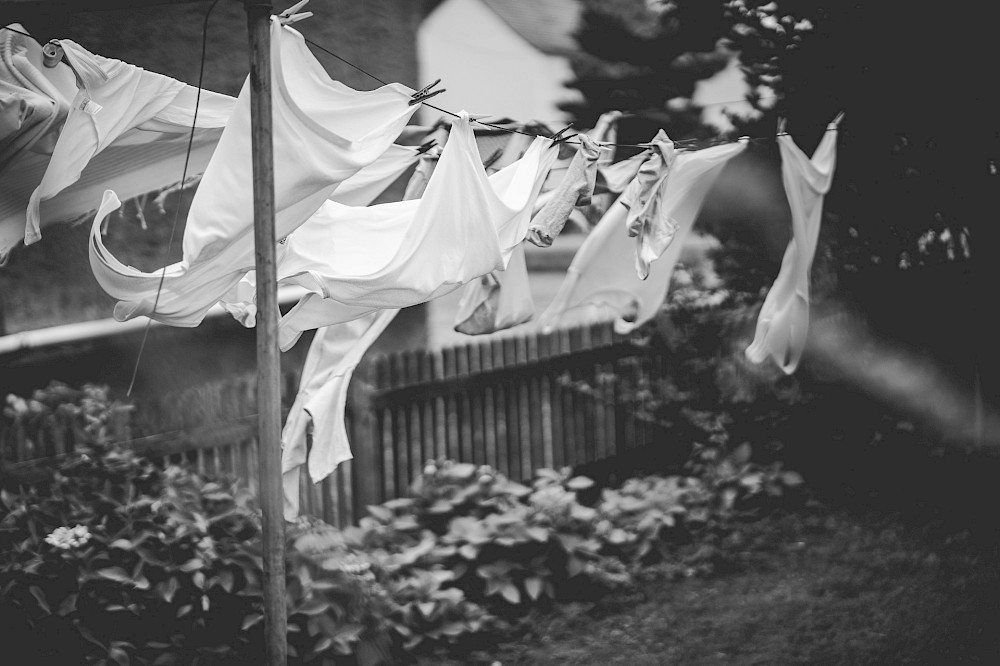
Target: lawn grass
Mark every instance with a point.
(813, 587)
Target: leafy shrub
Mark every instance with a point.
(114, 560)
(160, 576)
(85, 417)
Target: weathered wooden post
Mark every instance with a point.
(268, 354)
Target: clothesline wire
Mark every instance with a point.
(680, 143)
(7, 27)
(511, 130)
(499, 127)
(180, 193)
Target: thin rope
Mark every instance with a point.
(7, 27)
(180, 192)
(344, 60)
(683, 144)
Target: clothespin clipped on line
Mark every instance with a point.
(292, 14)
(558, 137)
(424, 94)
(53, 54)
(426, 146)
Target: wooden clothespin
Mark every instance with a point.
(424, 93)
(558, 136)
(292, 14)
(781, 127)
(53, 54)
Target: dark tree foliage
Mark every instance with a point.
(644, 59)
(906, 227)
(901, 216)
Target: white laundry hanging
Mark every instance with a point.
(114, 97)
(136, 143)
(652, 228)
(783, 321)
(320, 401)
(34, 99)
(601, 282)
(359, 190)
(363, 187)
(614, 178)
(606, 131)
(502, 299)
(498, 300)
(575, 189)
(324, 132)
(512, 151)
(355, 260)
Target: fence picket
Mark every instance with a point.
(475, 396)
(440, 413)
(536, 426)
(524, 411)
(451, 406)
(415, 439)
(513, 410)
(502, 418)
(426, 406)
(383, 377)
(489, 403)
(543, 342)
(345, 508)
(400, 432)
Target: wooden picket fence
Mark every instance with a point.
(516, 403)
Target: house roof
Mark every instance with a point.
(548, 25)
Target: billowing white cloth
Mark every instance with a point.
(326, 376)
(606, 131)
(652, 229)
(391, 255)
(422, 174)
(324, 132)
(517, 143)
(114, 98)
(135, 143)
(600, 281)
(575, 189)
(783, 321)
(614, 178)
(333, 355)
(498, 300)
(34, 99)
(359, 190)
(364, 187)
(502, 299)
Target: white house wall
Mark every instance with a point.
(486, 67)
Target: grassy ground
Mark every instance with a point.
(822, 588)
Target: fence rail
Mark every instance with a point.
(516, 403)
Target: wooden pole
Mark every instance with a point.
(268, 354)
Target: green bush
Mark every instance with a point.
(156, 567)
(114, 560)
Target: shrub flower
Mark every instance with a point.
(69, 537)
